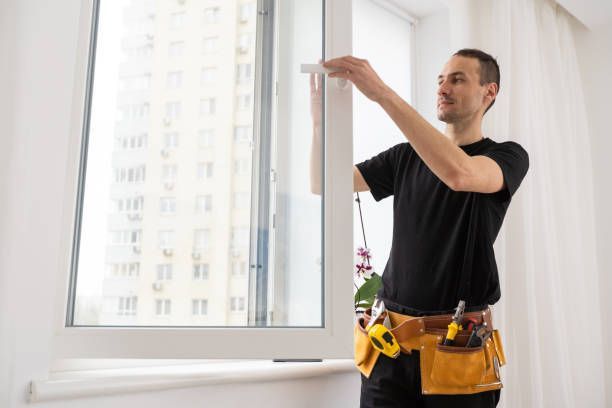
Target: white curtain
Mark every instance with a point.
(549, 313)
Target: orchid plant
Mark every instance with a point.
(365, 280)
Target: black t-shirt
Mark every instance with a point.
(438, 232)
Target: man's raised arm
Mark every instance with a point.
(359, 183)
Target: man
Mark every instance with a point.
(451, 192)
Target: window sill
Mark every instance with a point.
(90, 383)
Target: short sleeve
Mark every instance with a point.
(379, 171)
(514, 163)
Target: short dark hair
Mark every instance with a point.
(489, 70)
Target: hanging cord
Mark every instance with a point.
(365, 244)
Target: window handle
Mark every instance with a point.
(341, 83)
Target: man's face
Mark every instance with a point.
(460, 95)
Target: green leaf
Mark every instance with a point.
(364, 296)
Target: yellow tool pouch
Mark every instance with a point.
(365, 355)
(444, 369)
(458, 369)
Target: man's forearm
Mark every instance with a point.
(445, 159)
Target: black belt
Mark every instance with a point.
(406, 310)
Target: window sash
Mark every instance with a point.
(334, 338)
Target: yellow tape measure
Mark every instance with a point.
(384, 341)
(380, 335)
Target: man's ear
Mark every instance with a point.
(492, 89)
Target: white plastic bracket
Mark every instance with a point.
(341, 83)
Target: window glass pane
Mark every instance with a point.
(188, 218)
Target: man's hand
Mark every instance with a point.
(360, 73)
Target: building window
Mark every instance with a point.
(205, 170)
(243, 73)
(125, 237)
(175, 49)
(171, 140)
(210, 45)
(124, 269)
(130, 175)
(173, 110)
(206, 138)
(134, 111)
(247, 12)
(166, 239)
(243, 102)
(132, 142)
(239, 268)
(169, 172)
(167, 205)
(199, 307)
(242, 167)
(201, 239)
(177, 20)
(211, 15)
(208, 75)
(129, 205)
(164, 272)
(244, 42)
(237, 304)
(174, 79)
(203, 204)
(200, 271)
(242, 134)
(240, 237)
(207, 106)
(127, 305)
(162, 307)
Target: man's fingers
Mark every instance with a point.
(339, 75)
(342, 63)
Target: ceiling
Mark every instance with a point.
(591, 13)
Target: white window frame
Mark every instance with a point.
(333, 340)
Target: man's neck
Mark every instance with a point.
(463, 133)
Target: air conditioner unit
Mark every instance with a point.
(136, 249)
(157, 286)
(195, 254)
(242, 49)
(169, 185)
(167, 251)
(181, 1)
(165, 152)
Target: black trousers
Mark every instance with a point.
(397, 383)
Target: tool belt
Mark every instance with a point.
(452, 369)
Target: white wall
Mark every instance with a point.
(432, 52)
(38, 48)
(595, 57)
